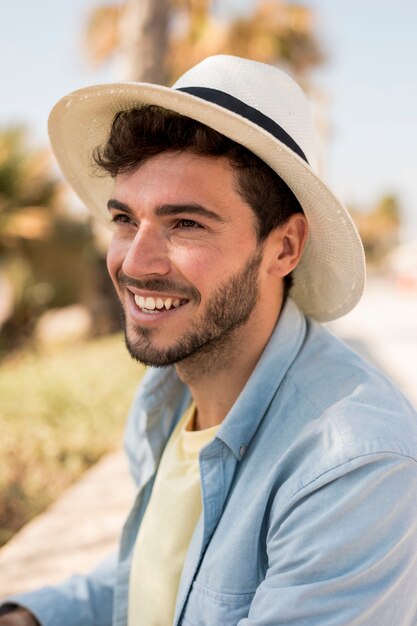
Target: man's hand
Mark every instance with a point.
(20, 617)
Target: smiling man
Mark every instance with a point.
(275, 469)
(202, 260)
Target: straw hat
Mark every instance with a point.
(259, 107)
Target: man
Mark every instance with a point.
(276, 470)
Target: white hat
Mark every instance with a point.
(259, 107)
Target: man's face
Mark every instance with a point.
(184, 258)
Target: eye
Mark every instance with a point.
(121, 218)
(188, 224)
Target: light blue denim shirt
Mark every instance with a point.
(309, 498)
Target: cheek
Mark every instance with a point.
(194, 263)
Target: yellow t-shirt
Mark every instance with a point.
(167, 527)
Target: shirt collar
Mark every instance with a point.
(251, 405)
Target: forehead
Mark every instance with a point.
(184, 167)
(182, 177)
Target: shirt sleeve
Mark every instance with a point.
(344, 550)
(86, 600)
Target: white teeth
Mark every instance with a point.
(150, 304)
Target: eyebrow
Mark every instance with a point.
(166, 210)
(119, 206)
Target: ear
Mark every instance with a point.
(285, 245)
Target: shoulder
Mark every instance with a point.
(333, 412)
(349, 396)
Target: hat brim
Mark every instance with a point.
(330, 277)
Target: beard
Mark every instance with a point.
(209, 337)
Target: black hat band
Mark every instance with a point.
(225, 100)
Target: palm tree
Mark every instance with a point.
(275, 33)
(26, 189)
(136, 34)
(157, 40)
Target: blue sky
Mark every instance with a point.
(370, 80)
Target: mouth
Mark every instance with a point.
(153, 305)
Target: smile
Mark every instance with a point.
(152, 305)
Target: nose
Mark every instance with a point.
(147, 254)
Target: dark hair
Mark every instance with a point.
(141, 133)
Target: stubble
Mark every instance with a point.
(210, 341)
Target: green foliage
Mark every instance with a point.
(389, 209)
(379, 228)
(24, 178)
(59, 414)
(48, 259)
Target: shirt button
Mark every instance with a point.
(242, 450)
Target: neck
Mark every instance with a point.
(216, 376)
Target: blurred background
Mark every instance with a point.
(59, 329)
